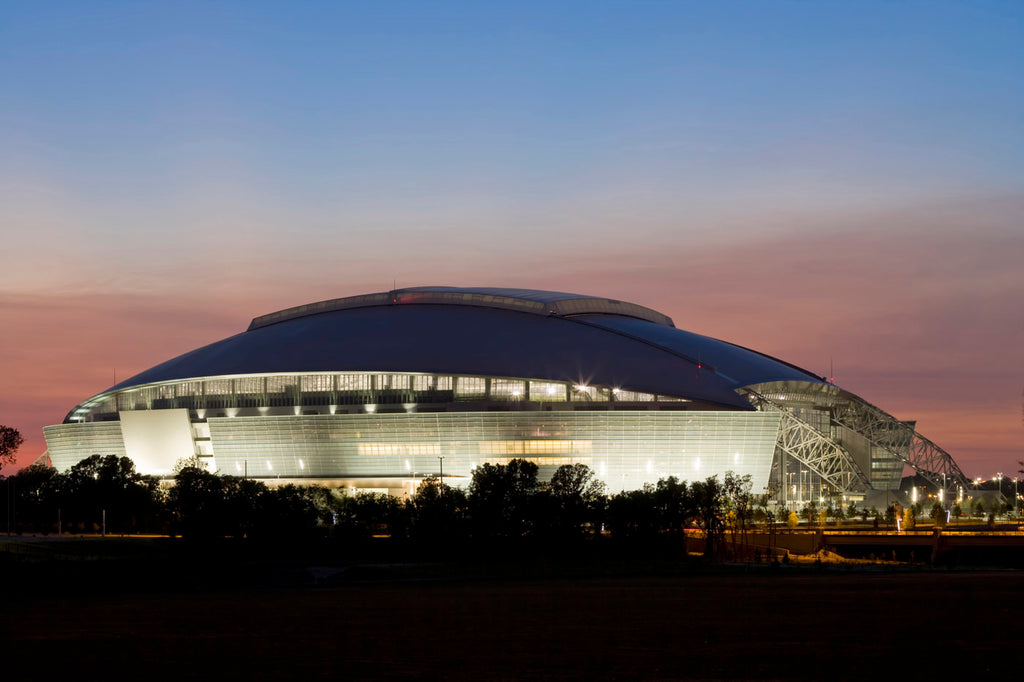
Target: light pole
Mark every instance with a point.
(1020, 463)
(441, 460)
(1015, 493)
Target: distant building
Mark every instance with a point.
(381, 390)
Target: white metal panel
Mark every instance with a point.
(156, 439)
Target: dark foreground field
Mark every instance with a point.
(785, 623)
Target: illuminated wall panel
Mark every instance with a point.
(156, 439)
(68, 444)
(626, 449)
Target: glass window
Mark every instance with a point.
(249, 385)
(507, 389)
(470, 387)
(317, 383)
(217, 387)
(547, 391)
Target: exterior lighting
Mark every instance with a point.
(301, 465)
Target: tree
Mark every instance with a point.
(674, 504)
(633, 513)
(367, 514)
(737, 497)
(736, 490)
(938, 514)
(708, 497)
(574, 490)
(909, 518)
(810, 512)
(245, 507)
(36, 498)
(291, 511)
(501, 498)
(107, 489)
(196, 501)
(439, 513)
(10, 441)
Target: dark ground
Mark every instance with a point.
(153, 610)
(784, 624)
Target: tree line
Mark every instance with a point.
(504, 504)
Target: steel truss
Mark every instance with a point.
(882, 429)
(810, 447)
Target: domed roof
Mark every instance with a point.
(489, 332)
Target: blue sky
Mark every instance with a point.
(321, 109)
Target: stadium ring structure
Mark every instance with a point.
(380, 391)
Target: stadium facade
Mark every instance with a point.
(381, 390)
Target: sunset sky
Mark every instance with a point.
(828, 182)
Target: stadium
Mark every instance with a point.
(379, 391)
